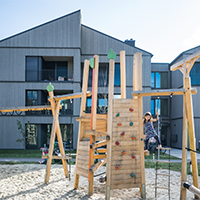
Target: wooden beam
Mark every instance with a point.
(72, 96)
(192, 139)
(123, 74)
(56, 157)
(99, 144)
(190, 65)
(26, 108)
(97, 166)
(109, 126)
(187, 59)
(163, 92)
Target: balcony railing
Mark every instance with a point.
(48, 75)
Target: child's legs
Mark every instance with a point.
(146, 143)
(157, 139)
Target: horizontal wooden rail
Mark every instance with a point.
(57, 157)
(163, 92)
(88, 119)
(26, 108)
(72, 96)
(102, 156)
(95, 133)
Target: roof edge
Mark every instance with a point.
(116, 39)
(40, 25)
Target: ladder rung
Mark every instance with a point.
(164, 148)
(161, 161)
(162, 187)
(163, 174)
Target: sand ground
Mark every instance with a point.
(24, 182)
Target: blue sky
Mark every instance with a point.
(164, 28)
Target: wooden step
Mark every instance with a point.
(166, 188)
(98, 144)
(163, 174)
(161, 161)
(101, 150)
(164, 148)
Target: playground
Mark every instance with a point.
(121, 130)
(27, 182)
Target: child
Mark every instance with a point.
(149, 130)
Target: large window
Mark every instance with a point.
(32, 68)
(31, 98)
(160, 106)
(159, 80)
(195, 74)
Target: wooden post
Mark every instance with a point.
(123, 74)
(55, 112)
(82, 109)
(183, 193)
(93, 124)
(137, 85)
(109, 126)
(192, 139)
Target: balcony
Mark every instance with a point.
(50, 75)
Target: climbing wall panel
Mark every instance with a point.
(125, 161)
(83, 158)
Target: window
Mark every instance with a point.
(117, 81)
(159, 80)
(31, 136)
(32, 68)
(195, 74)
(31, 98)
(160, 106)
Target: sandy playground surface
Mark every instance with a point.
(27, 182)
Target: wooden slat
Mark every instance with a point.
(126, 106)
(126, 169)
(124, 110)
(82, 109)
(57, 157)
(87, 119)
(126, 114)
(82, 172)
(126, 162)
(121, 128)
(125, 101)
(162, 92)
(101, 150)
(72, 96)
(83, 157)
(102, 156)
(127, 177)
(121, 148)
(127, 143)
(127, 186)
(128, 152)
(96, 133)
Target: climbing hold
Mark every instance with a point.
(122, 134)
(117, 143)
(131, 109)
(123, 152)
(117, 167)
(141, 139)
(133, 156)
(131, 124)
(117, 115)
(119, 124)
(111, 55)
(91, 63)
(133, 138)
(50, 87)
(132, 175)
